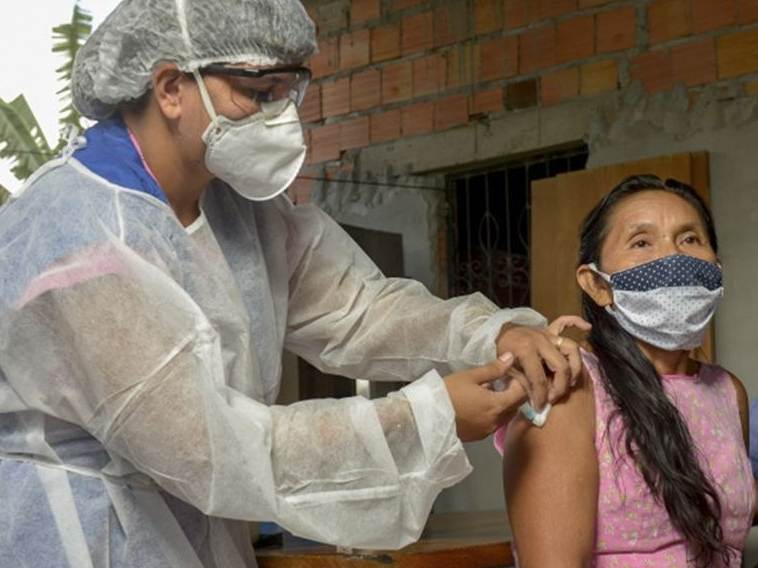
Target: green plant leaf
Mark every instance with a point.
(21, 138)
(68, 39)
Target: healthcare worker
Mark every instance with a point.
(150, 279)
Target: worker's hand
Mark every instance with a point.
(549, 363)
(479, 408)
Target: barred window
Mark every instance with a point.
(488, 225)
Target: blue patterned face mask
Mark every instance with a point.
(667, 302)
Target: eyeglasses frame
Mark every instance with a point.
(221, 69)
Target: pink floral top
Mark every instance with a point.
(633, 530)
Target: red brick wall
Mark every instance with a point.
(395, 68)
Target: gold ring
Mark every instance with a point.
(559, 342)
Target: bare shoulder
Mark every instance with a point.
(739, 388)
(571, 422)
(742, 403)
(568, 431)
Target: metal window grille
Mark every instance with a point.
(488, 225)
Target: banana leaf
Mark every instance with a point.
(21, 138)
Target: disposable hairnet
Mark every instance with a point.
(117, 61)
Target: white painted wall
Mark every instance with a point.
(409, 207)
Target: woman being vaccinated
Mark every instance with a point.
(644, 465)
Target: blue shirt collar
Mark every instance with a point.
(111, 154)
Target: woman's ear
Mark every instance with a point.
(594, 286)
(169, 84)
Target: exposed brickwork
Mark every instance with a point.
(487, 101)
(575, 39)
(668, 19)
(330, 17)
(559, 85)
(417, 119)
(710, 15)
(451, 24)
(653, 69)
(396, 68)
(737, 53)
(498, 58)
(385, 126)
(461, 61)
(324, 143)
(335, 97)
(747, 12)
(355, 49)
(518, 13)
(450, 111)
(616, 29)
(311, 109)
(428, 75)
(594, 3)
(488, 16)
(354, 133)
(362, 11)
(537, 49)
(417, 32)
(397, 82)
(552, 8)
(325, 62)
(402, 4)
(694, 63)
(366, 90)
(598, 77)
(385, 42)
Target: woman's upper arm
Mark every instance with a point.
(551, 484)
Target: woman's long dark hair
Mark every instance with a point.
(657, 437)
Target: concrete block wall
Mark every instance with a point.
(393, 69)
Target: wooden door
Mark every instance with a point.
(558, 207)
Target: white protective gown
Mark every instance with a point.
(139, 361)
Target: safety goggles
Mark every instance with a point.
(265, 85)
